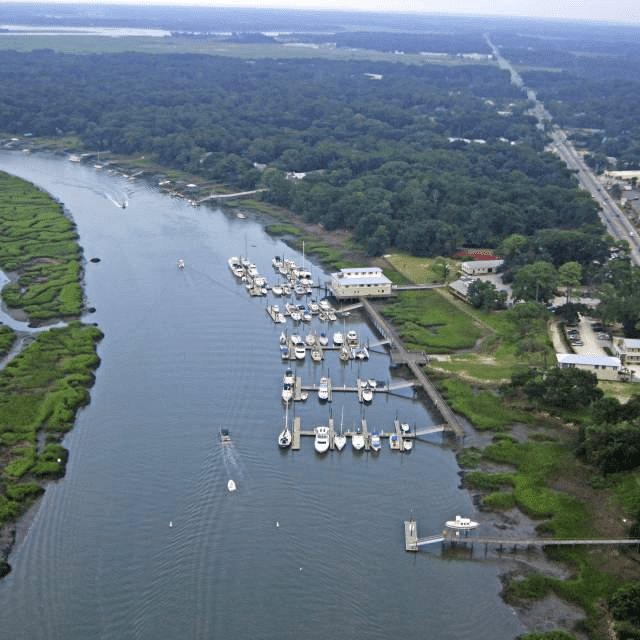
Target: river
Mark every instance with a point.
(141, 538)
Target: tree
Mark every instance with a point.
(568, 388)
(536, 281)
(570, 276)
(613, 447)
(484, 295)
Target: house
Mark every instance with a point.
(460, 288)
(481, 267)
(364, 281)
(628, 350)
(605, 367)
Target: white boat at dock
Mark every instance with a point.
(339, 439)
(395, 442)
(367, 392)
(462, 524)
(338, 339)
(321, 443)
(407, 444)
(357, 440)
(289, 377)
(310, 338)
(323, 339)
(375, 442)
(285, 437)
(316, 353)
(352, 338)
(300, 351)
(287, 392)
(323, 389)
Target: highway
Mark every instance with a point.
(611, 215)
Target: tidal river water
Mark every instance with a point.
(142, 540)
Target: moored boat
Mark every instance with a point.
(357, 440)
(300, 351)
(285, 437)
(375, 442)
(321, 443)
(323, 389)
(407, 444)
(367, 392)
(338, 339)
(395, 443)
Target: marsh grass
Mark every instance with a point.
(39, 244)
(426, 321)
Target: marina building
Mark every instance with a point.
(354, 283)
(605, 367)
(481, 267)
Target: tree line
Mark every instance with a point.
(422, 158)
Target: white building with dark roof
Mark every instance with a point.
(628, 350)
(363, 281)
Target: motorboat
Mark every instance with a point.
(283, 338)
(361, 352)
(323, 339)
(357, 440)
(289, 377)
(314, 307)
(375, 442)
(296, 316)
(225, 438)
(462, 524)
(338, 339)
(316, 353)
(321, 443)
(310, 338)
(287, 392)
(180, 263)
(352, 338)
(231, 486)
(285, 437)
(395, 442)
(404, 427)
(296, 339)
(284, 352)
(407, 444)
(345, 353)
(300, 351)
(323, 389)
(276, 289)
(372, 382)
(367, 393)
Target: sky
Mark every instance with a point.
(626, 11)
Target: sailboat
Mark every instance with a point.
(339, 439)
(284, 439)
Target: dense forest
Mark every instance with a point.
(423, 158)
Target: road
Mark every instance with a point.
(611, 215)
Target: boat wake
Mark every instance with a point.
(120, 200)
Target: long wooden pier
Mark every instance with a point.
(412, 542)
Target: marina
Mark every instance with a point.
(185, 352)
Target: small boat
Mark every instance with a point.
(367, 393)
(314, 307)
(284, 352)
(285, 437)
(357, 440)
(404, 427)
(283, 338)
(180, 263)
(310, 338)
(462, 524)
(287, 392)
(296, 316)
(225, 438)
(300, 351)
(372, 382)
(375, 442)
(231, 486)
(323, 389)
(352, 338)
(296, 339)
(345, 353)
(321, 443)
(407, 444)
(276, 289)
(316, 353)
(395, 443)
(338, 339)
(323, 339)
(339, 439)
(289, 377)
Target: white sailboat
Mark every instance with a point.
(285, 437)
(339, 439)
